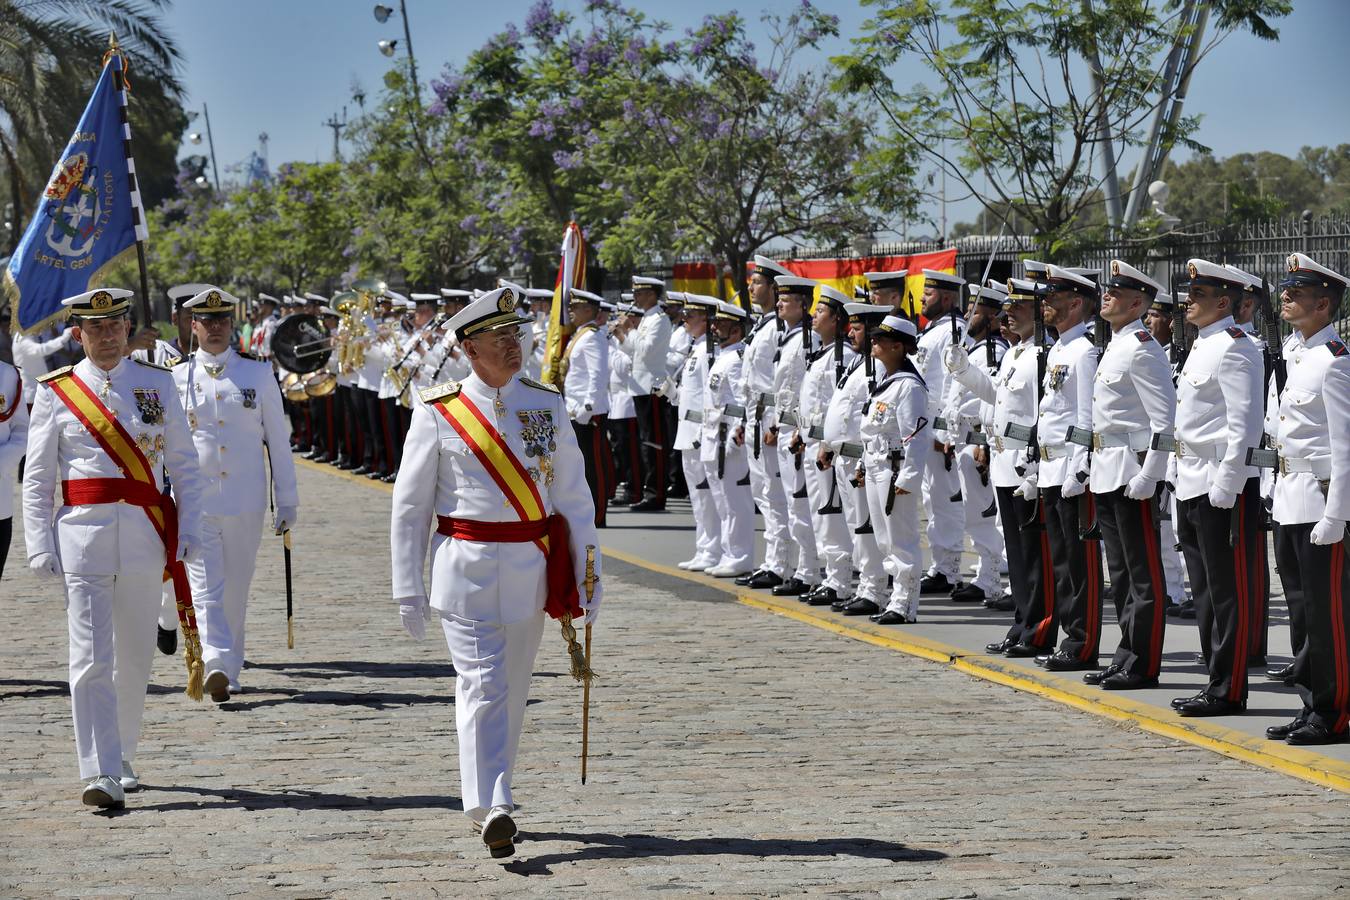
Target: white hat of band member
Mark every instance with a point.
(944, 280)
(795, 284)
(181, 293)
(455, 294)
(1304, 271)
(894, 279)
(896, 327)
(262, 298)
(539, 293)
(646, 283)
(316, 298)
(212, 302)
(426, 299)
(627, 296)
(733, 312)
(701, 302)
(1064, 280)
(580, 296)
(1204, 272)
(1254, 283)
(103, 303)
(771, 269)
(1124, 275)
(328, 311)
(495, 309)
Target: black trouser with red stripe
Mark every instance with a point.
(1078, 577)
(593, 439)
(6, 533)
(372, 431)
(1258, 572)
(656, 443)
(1216, 560)
(1130, 538)
(1316, 580)
(1030, 572)
(624, 438)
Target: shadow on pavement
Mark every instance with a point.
(236, 798)
(36, 688)
(341, 668)
(630, 846)
(367, 699)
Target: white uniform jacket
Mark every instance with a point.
(234, 414)
(622, 386)
(761, 347)
(895, 420)
(964, 411)
(586, 384)
(1218, 411)
(689, 411)
(1133, 399)
(818, 389)
(1066, 400)
(789, 368)
(107, 538)
(442, 476)
(725, 384)
(843, 415)
(13, 434)
(934, 340)
(680, 342)
(1313, 431)
(1013, 394)
(650, 346)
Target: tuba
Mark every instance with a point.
(366, 291)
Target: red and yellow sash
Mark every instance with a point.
(138, 488)
(520, 491)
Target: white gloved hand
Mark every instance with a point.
(1328, 531)
(1221, 499)
(46, 565)
(1072, 487)
(188, 549)
(286, 517)
(413, 612)
(956, 359)
(1141, 487)
(592, 611)
(1027, 489)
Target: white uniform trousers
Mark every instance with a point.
(220, 578)
(831, 530)
(493, 663)
(767, 493)
(112, 647)
(735, 511)
(707, 527)
(946, 520)
(1170, 550)
(866, 555)
(898, 540)
(799, 527)
(977, 498)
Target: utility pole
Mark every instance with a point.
(337, 127)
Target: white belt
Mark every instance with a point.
(1212, 452)
(1320, 466)
(1006, 443)
(1051, 451)
(1135, 440)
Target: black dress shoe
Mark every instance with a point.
(376, 475)
(1282, 673)
(793, 587)
(361, 470)
(1178, 702)
(935, 584)
(808, 596)
(1205, 705)
(1100, 676)
(651, 504)
(1000, 646)
(744, 580)
(325, 458)
(1001, 603)
(1311, 734)
(1067, 662)
(765, 580)
(825, 597)
(166, 639)
(1280, 732)
(1186, 610)
(348, 465)
(391, 477)
(861, 607)
(890, 617)
(1128, 681)
(841, 603)
(1026, 651)
(967, 593)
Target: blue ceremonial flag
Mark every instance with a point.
(87, 216)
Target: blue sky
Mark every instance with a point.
(284, 66)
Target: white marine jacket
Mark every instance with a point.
(1133, 399)
(789, 369)
(1066, 400)
(818, 389)
(1218, 411)
(651, 343)
(622, 386)
(843, 414)
(895, 420)
(934, 340)
(1313, 431)
(586, 385)
(690, 396)
(761, 347)
(725, 385)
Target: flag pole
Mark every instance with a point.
(137, 212)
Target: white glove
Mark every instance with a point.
(188, 549)
(592, 611)
(956, 359)
(1328, 532)
(584, 417)
(1027, 489)
(46, 565)
(1141, 487)
(1072, 487)
(413, 612)
(1221, 499)
(286, 517)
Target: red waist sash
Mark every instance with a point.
(562, 598)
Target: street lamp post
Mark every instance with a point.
(388, 48)
(196, 138)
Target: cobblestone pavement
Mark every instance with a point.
(733, 753)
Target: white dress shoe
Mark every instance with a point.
(722, 571)
(697, 564)
(104, 792)
(218, 685)
(130, 780)
(499, 833)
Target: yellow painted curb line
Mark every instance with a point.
(1275, 756)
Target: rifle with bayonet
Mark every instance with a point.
(1266, 456)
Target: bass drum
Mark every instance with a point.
(301, 344)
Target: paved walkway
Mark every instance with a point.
(734, 753)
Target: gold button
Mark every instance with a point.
(220, 421)
(219, 396)
(224, 474)
(222, 448)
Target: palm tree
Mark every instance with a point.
(50, 53)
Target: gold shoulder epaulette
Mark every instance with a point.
(539, 384)
(56, 373)
(439, 391)
(150, 365)
(251, 356)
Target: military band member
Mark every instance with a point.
(233, 408)
(796, 343)
(30, 357)
(102, 435)
(1312, 499)
(13, 445)
(651, 343)
(895, 421)
(1218, 421)
(690, 396)
(624, 435)
(1133, 406)
(941, 482)
(490, 573)
(758, 399)
(541, 305)
(726, 462)
(586, 389)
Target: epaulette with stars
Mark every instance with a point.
(441, 391)
(55, 373)
(539, 384)
(150, 365)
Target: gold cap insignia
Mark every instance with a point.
(1115, 267)
(213, 299)
(101, 300)
(1293, 262)
(507, 301)
(1190, 268)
